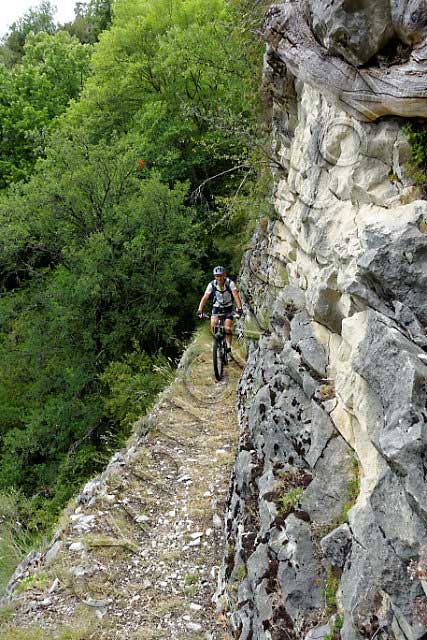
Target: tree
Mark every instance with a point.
(35, 92)
(91, 19)
(101, 249)
(174, 75)
(108, 263)
(99, 13)
(37, 20)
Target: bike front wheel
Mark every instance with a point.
(218, 358)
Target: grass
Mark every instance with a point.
(167, 606)
(237, 577)
(353, 489)
(7, 613)
(289, 500)
(335, 628)
(35, 633)
(330, 593)
(321, 529)
(38, 581)
(147, 633)
(96, 541)
(171, 555)
(240, 573)
(15, 541)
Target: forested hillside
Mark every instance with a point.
(129, 153)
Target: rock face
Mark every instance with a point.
(326, 43)
(353, 29)
(327, 510)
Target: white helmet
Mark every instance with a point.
(219, 271)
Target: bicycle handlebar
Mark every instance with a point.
(218, 315)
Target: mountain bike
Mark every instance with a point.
(219, 348)
(220, 353)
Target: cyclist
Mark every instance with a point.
(223, 291)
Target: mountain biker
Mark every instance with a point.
(223, 291)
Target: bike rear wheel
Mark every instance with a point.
(218, 358)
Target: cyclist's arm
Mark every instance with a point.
(237, 298)
(202, 303)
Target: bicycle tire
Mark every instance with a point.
(218, 359)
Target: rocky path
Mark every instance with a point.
(137, 556)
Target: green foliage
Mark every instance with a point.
(173, 73)
(337, 624)
(238, 214)
(417, 136)
(353, 489)
(33, 94)
(16, 538)
(288, 500)
(176, 77)
(191, 578)
(239, 574)
(37, 580)
(117, 191)
(36, 20)
(416, 133)
(127, 250)
(91, 18)
(36, 633)
(131, 384)
(330, 594)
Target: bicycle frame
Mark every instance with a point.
(219, 348)
(220, 355)
(219, 328)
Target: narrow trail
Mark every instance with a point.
(138, 556)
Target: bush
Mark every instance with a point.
(416, 133)
(131, 385)
(16, 538)
(290, 499)
(331, 587)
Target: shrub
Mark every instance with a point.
(331, 587)
(416, 132)
(335, 628)
(289, 500)
(353, 489)
(16, 539)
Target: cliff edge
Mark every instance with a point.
(137, 553)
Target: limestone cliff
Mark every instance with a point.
(327, 511)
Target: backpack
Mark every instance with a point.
(215, 290)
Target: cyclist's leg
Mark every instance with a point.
(214, 322)
(228, 333)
